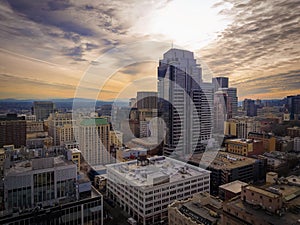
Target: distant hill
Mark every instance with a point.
(64, 103)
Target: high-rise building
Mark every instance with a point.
(232, 102)
(293, 103)
(61, 128)
(42, 109)
(182, 103)
(146, 100)
(12, 130)
(94, 142)
(249, 107)
(220, 82)
(241, 126)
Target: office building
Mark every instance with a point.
(227, 167)
(293, 105)
(220, 82)
(201, 209)
(297, 144)
(269, 141)
(145, 187)
(245, 147)
(240, 127)
(276, 203)
(82, 212)
(249, 107)
(44, 181)
(146, 100)
(42, 109)
(183, 103)
(12, 130)
(94, 142)
(293, 131)
(61, 128)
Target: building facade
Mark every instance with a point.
(182, 103)
(145, 187)
(42, 109)
(94, 141)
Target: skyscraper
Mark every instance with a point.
(250, 107)
(220, 82)
(42, 109)
(183, 103)
(94, 141)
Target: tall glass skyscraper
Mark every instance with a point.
(184, 103)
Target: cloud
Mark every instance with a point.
(262, 42)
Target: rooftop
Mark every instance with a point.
(221, 160)
(159, 170)
(201, 208)
(234, 187)
(26, 165)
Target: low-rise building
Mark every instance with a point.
(293, 131)
(231, 190)
(43, 181)
(269, 140)
(245, 147)
(277, 203)
(227, 167)
(145, 187)
(201, 209)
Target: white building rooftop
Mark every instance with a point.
(158, 170)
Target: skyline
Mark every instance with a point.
(47, 47)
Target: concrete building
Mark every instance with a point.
(145, 187)
(220, 82)
(269, 140)
(240, 127)
(201, 209)
(94, 142)
(293, 131)
(42, 109)
(125, 154)
(293, 103)
(227, 167)
(116, 138)
(12, 130)
(81, 212)
(60, 127)
(34, 126)
(146, 100)
(231, 190)
(272, 204)
(74, 155)
(245, 147)
(44, 181)
(297, 144)
(185, 105)
(249, 107)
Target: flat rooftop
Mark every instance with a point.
(291, 216)
(234, 187)
(26, 165)
(160, 169)
(221, 160)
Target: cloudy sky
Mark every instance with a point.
(107, 49)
